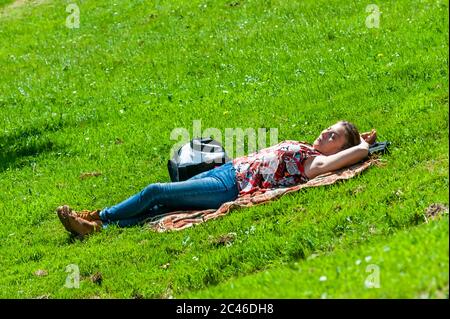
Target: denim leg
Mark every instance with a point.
(200, 175)
(226, 168)
(201, 193)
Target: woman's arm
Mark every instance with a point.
(323, 164)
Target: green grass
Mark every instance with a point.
(136, 70)
(411, 264)
(5, 2)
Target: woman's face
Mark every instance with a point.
(331, 140)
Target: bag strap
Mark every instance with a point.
(379, 147)
(200, 144)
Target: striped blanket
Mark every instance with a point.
(179, 220)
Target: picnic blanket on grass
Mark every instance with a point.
(181, 219)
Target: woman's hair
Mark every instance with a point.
(352, 137)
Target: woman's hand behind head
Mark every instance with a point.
(370, 137)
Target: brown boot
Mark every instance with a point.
(76, 225)
(63, 212)
(90, 215)
(83, 227)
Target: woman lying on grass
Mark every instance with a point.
(285, 164)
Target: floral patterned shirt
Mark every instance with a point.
(275, 166)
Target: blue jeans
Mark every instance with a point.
(206, 190)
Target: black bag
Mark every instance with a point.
(197, 156)
(379, 147)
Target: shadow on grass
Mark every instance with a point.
(73, 239)
(18, 147)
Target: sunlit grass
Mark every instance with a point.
(105, 98)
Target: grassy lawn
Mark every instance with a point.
(385, 264)
(106, 96)
(4, 2)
